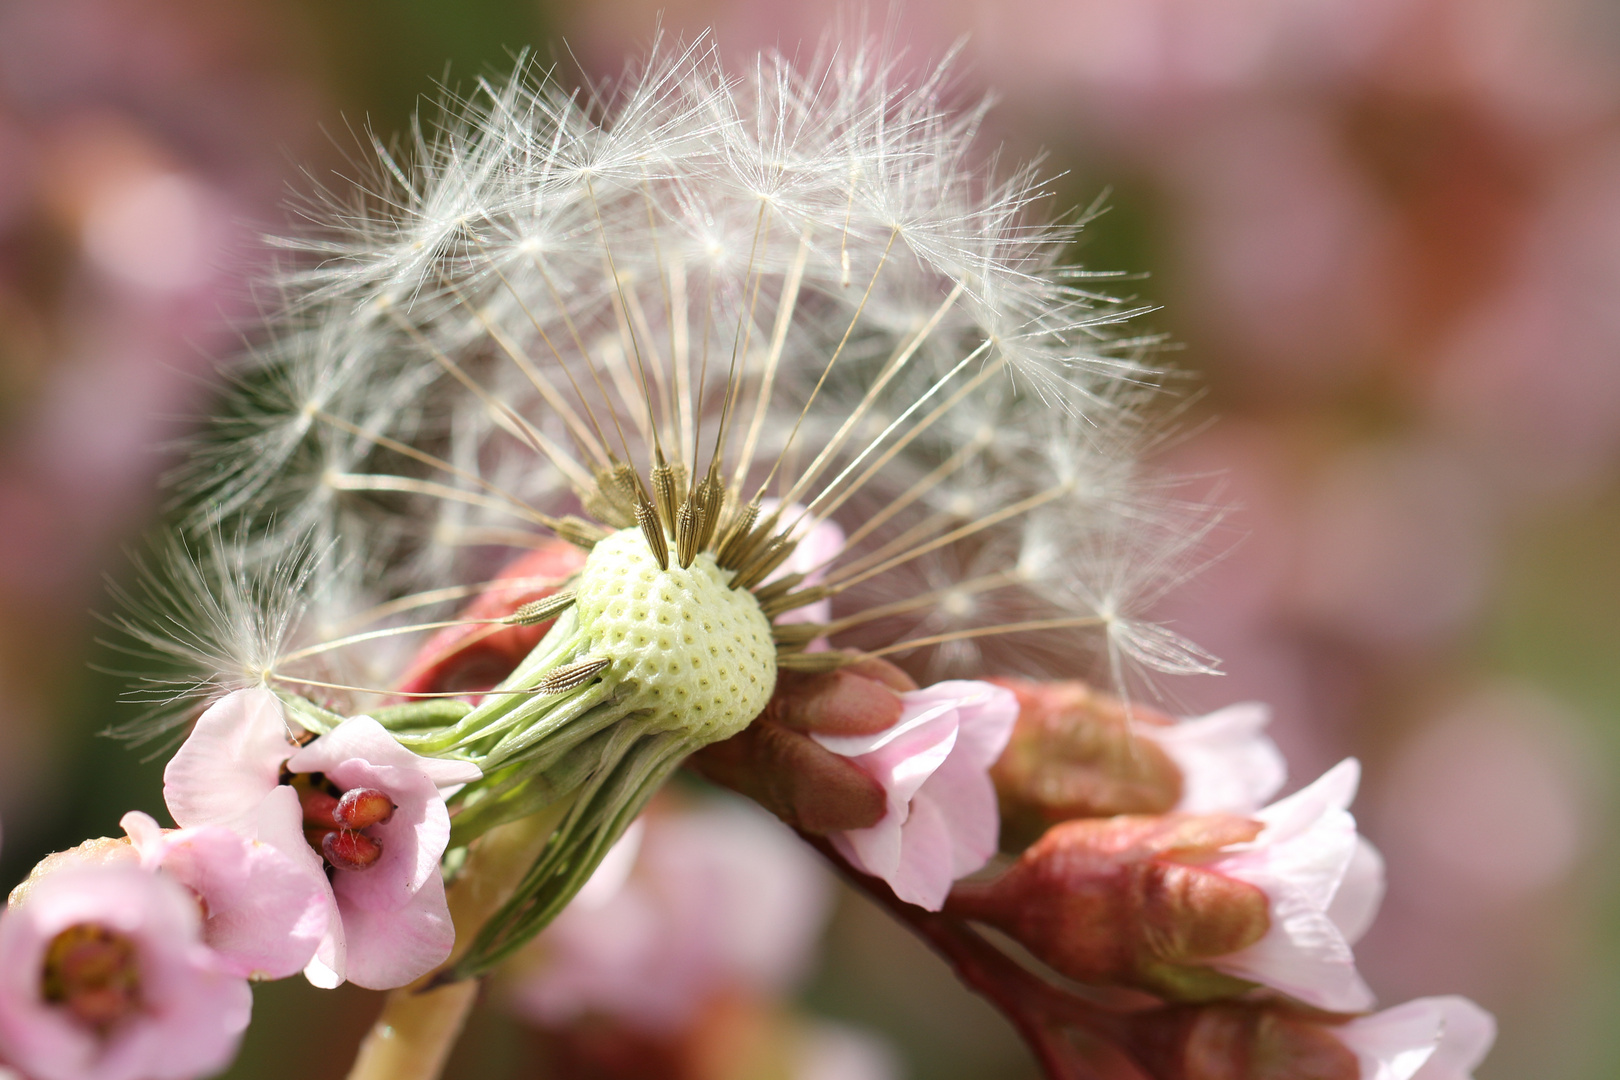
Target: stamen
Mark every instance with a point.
(320, 808)
(361, 808)
(94, 973)
(349, 850)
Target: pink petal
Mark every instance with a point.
(1300, 861)
(230, 761)
(1228, 765)
(391, 948)
(1355, 905)
(924, 871)
(1304, 956)
(362, 737)
(1333, 790)
(934, 764)
(326, 968)
(901, 766)
(280, 823)
(1438, 1038)
(265, 912)
(965, 797)
(985, 712)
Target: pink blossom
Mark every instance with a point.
(1228, 764)
(263, 911)
(1438, 1038)
(1323, 883)
(388, 922)
(691, 904)
(941, 822)
(175, 1011)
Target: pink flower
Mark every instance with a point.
(1438, 1038)
(1323, 884)
(934, 765)
(263, 911)
(388, 920)
(1228, 764)
(104, 976)
(687, 905)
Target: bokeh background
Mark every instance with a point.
(1385, 234)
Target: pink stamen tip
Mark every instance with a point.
(347, 850)
(363, 807)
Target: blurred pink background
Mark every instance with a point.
(1385, 232)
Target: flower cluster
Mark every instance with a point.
(766, 383)
(129, 957)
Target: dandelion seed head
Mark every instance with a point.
(641, 308)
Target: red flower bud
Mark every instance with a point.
(861, 699)
(475, 658)
(1124, 902)
(1073, 755)
(794, 777)
(347, 850)
(362, 807)
(776, 763)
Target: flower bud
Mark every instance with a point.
(474, 657)
(1073, 754)
(1442, 1038)
(776, 763)
(1124, 901)
(794, 777)
(1187, 905)
(862, 699)
(1238, 1042)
